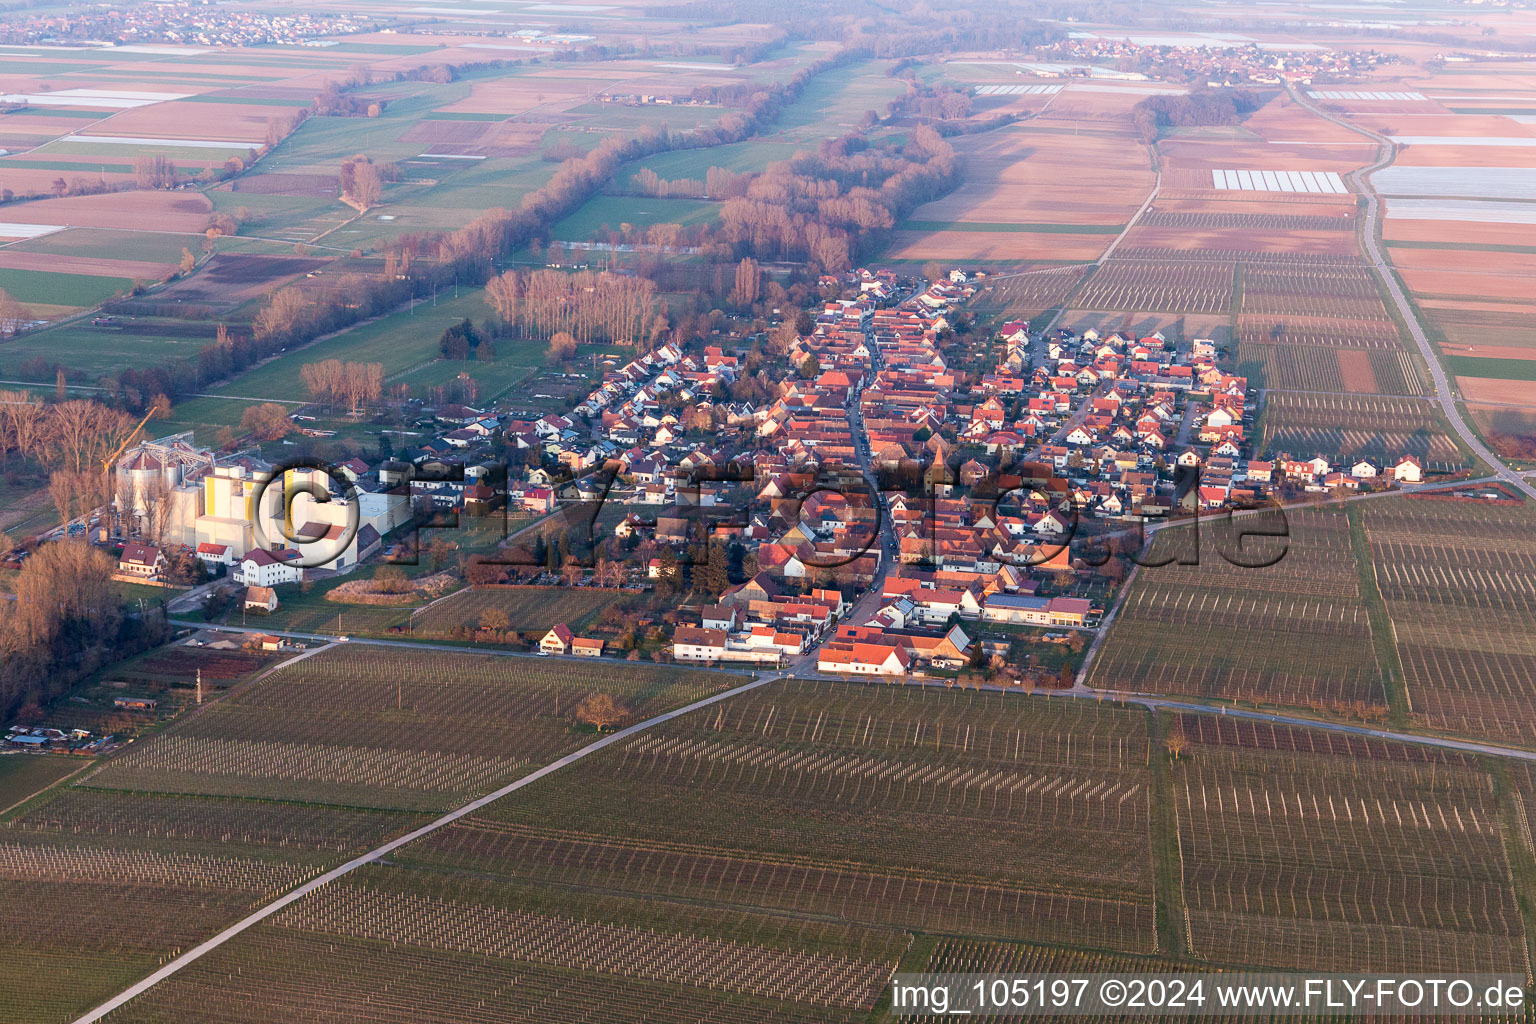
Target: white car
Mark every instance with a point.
(342, 639)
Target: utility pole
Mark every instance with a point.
(199, 686)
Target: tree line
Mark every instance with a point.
(1200, 108)
(334, 383)
(592, 306)
(65, 623)
(823, 208)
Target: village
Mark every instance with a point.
(913, 500)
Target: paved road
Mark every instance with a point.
(1445, 393)
(373, 855)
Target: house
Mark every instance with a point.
(692, 643)
(586, 647)
(260, 598)
(863, 658)
(1408, 470)
(558, 640)
(724, 617)
(1363, 470)
(139, 559)
(263, 568)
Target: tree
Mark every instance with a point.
(391, 579)
(76, 493)
(748, 283)
(600, 711)
(459, 341)
(82, 432)
(561, 347)
(188, 261)
(267, 421)
(810, 367)
(495, 620)
(505, 292)
(14, 317)
(713, 576)
(154, 171)
(1176, 742)
(279, 318)
(367, 186)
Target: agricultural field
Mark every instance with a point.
(1307, 852)
(1026, 293)
(1025, 179)
(1459, 581)
(21, 775)
(887, 806)
(366, 727)
(526, 608)
(1345, 427)
(1249, 631)
(312, 961)
(1194, 286)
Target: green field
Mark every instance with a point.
(102, 350)
(61, 289)
(832, 103)
(400, 341)
(194, 154)
(107, 243)
(1503, 369)
(21, 775)
(642, 211)
(81, 166)
(695, 163)
(493, 378)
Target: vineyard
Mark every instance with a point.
(1152, 286)
(1256, 221)
(1029, 293)
(1345, 427)
(1460, 586)
(283, 973)
(1332, 290)
(85, 812)
(982, 813)
(1319, 862)
(1318, 332)
(531, 608)
(404, 730)
(964, 956)
(587, 946)
(1294, 632)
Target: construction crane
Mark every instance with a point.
(106, 463)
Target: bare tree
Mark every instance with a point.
(13, 315)
(602, 711)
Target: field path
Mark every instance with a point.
(371, 856)
(1444, 394)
